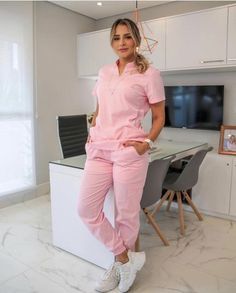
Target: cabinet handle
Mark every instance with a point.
(231, 59)
(211, 61)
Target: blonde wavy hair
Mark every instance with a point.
(140, 61)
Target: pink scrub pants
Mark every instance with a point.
(125, 170)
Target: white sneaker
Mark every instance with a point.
(128, 270)
(110, 279)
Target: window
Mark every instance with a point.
(16, 97)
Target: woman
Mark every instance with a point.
(117, 152)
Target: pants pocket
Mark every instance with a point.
(137, 154)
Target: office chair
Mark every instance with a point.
(178, 183)
(73, 133)
(153, 189)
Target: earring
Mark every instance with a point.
(137, 49)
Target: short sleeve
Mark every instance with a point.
(154, 87)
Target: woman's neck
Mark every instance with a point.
(123, 62)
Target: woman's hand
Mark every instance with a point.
(88, 139)
(140, 147)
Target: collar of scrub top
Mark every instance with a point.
(128, 67)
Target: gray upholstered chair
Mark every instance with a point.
(153, 190)
(178, 183)
(73, 133)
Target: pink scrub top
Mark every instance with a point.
(123, 102)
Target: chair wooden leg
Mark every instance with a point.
(170, 200)
(158, 206)
(156, 227)
(137, 244)
(181, 213)
(193, 206)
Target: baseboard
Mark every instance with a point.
(43, 188)
(24, 195)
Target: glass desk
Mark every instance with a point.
(165, 148)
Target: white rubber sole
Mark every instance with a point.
(108, 289)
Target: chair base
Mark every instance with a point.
(170, 196)
(155, 226)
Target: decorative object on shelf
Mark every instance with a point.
(148, 44)
(227, 144)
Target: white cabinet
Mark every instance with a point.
(232, 211)
(213, 190)
(196, 39)
(202, 39)
(94, 51)
(231, 53)
(155, 29)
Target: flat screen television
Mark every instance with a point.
(194, 107)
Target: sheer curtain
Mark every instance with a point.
(16, 97)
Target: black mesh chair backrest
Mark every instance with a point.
(156, 173)
(73, 133)
(189, 176)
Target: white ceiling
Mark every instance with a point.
(108, 8)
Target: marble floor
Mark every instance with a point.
(204, 261)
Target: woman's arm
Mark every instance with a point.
(158, 121)
(93, 122)
(95, 114)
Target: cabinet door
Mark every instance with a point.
(212, 192)
(197, 39)
(94, 51)
(155, 29)
(231, 54)
(233, 190)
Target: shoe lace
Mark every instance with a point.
(110, 270)
(117, 273)
(124, 273)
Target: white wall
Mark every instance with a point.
(58, 89)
